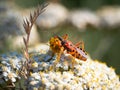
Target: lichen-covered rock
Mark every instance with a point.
(54, 15)
(110, 17)
(11, 26)
(10, 64)
(46, 74)
(84, 18)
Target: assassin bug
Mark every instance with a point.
(72, 49)
(59, 44)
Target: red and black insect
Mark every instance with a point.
(72, 49)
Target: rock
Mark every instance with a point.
(54, 15)
(34, 37)
(11, 27)
(47, 75)
(38, 47)
(83, 18)
(110, 17)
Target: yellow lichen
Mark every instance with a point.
(34, 65)
(51, 68)
(4, 68)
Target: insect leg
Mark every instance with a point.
(73, 58)
(80, 43)
(65, 37)
(59, 55)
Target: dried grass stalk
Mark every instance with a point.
(27, 24)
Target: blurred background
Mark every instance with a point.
(97, 23)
